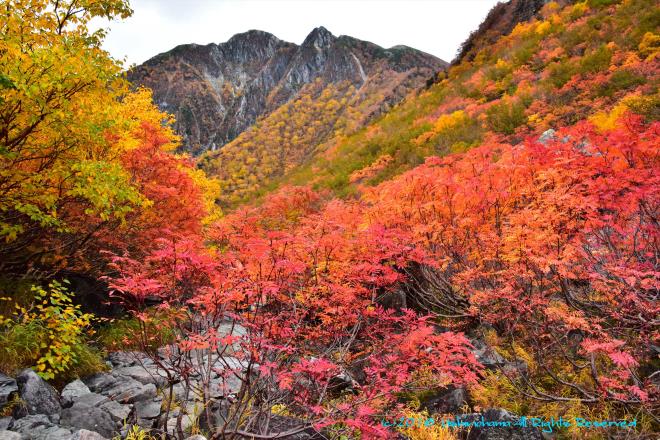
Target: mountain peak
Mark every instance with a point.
(254, 35)
(319, 37)
(219, 90)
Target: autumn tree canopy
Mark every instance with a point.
(78, 146)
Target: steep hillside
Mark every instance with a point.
(217, 91)
(500, 21)
(591, 59)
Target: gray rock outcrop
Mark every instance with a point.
(8, 387)
(37, 396)
(217, 91)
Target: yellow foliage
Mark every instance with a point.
(578, 9)
(69, 115)
(447, 122)
(501, 64)
(62, 328)
(284, 138)
(649, 46)
(606, 121)
(522, 29)
(135, 432)
(210, 188)
(550, 8)
(425, 427)
(646, 105)
(543, 28)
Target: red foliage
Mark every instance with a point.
(303, 277)
(551, 244)
(554, 245)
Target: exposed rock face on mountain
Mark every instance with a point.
(217, 91)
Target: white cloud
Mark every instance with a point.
(434, 26)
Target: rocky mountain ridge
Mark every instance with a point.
(217, 91)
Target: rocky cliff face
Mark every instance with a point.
(218, 90)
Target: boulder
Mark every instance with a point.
(486, 355)
(227, 328)
(87, 417)
(147, 409)
(187, 421)
(39, 427)
(10, 435)
(547, 136)
(447, 400)
(120, 388)
(72, 391)
(128, 392)
(6, 423)
(144, 374)
(91, 399)
(31, 422)
(492, 360)
(84, 434)
(342, 382)
(145, 423)
(38, 397)
(117, 412)
(222, 387)
(8, 387)
(100, 381)
(124, 358)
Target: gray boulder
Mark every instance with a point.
(117, 412)
(72, 391)
(38, 397)
(84, 434)
(100, 381)
(143, 374)
(91, 399)
(187, 421)
(147, 409)
(91, 418)
(128, 358)
(547, 136)
(120, 388)
(30, 422)
(10, 435)
(131, 392)
(39, 427)
(8, 387)
(6, 422)
(448, 400)
(486, 355)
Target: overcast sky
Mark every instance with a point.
(434, 26)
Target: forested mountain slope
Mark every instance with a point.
(217, 91)
(591, 59)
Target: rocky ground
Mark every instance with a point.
(134, 392)
(101, 406)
